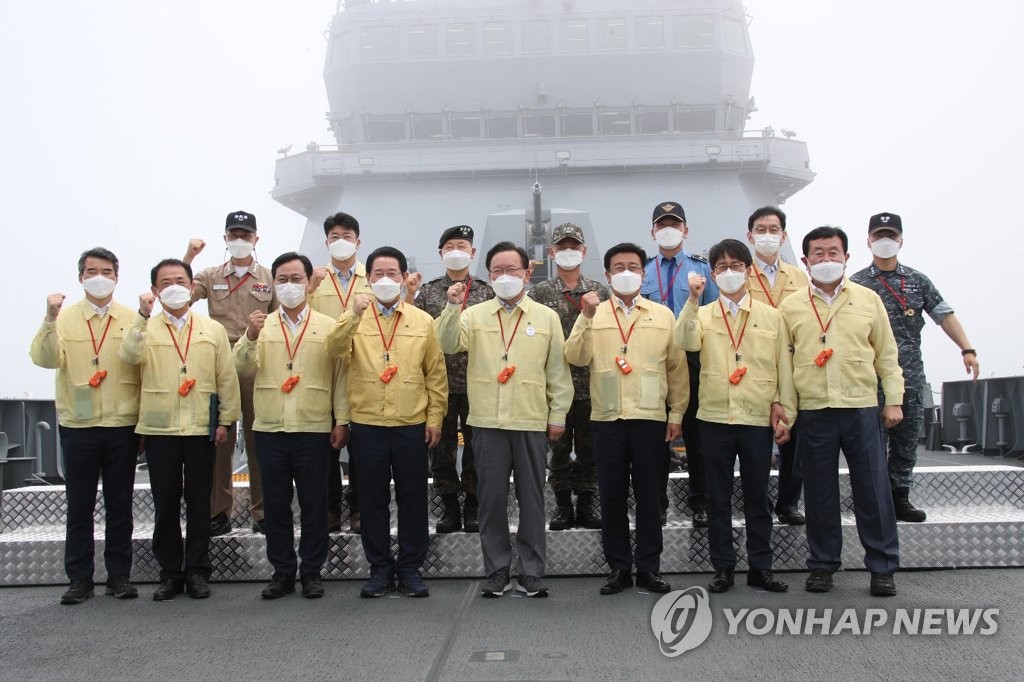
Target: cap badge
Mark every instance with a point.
(240, 217)
(668, 207)
(884, 218)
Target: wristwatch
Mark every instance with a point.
(969, 351)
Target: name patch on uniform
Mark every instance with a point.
(220, 287)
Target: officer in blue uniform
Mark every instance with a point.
(665, 281)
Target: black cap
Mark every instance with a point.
(885, 221)
(457, 232)
(668, 209)
(240, 220)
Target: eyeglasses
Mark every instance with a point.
(767, 230)
(632, 267)
(735, 266)
(512, 271)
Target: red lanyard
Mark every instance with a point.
(902, 300)
(287, 347)
(664, 293)
(388, 343)
(625, 336)
(501, 326)
(351, 285)
(764, 289)
(735, 342)
(95, 348)
(240, 283)
(824, 327)
(188, 343)
(578, 304)
(469, 285)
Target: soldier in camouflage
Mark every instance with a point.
(456, 249)
(906, 294)
(563, 293)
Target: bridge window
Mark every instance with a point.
(611, 34)
(577, 123)
(693, 32)
(539, 125)
(502, 126)
(694, 120)
(574, 36)
(385, 129)
(461, 40)
(498, 38)
(733, 35)
(423, 41)
(427, 128)
(615, 122)
(654, 121)
(381, 42)
(536, 37)
(466, 127)
(650, 33)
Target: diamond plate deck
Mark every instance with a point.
(976, 519)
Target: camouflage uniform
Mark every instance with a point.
(580, 477)
(432, 298)
(919, 294)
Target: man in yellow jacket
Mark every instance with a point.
(746, 397)
(397, 398)
(843, 347)
(298, 387)
(97, 398)
(189, 400)
(636, 372)
(519, 393)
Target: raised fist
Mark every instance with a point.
(257, 319)
(360, 303)
(195, 246)
(319, 275)
(146, 301)
(696, 282)
(457, 292)
(53, 304)
(590, 301)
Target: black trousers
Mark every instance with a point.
(691, 436)
(181, 466)
(753, 444)
(109, 453)
(334, 485)
(383, 453)
(856, 431)
(302, 458)
(791, 482)
(627, 451)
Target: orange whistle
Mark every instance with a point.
(737, 376)
(506, 374)
(624, 365)
(389, 373)
(186, 386)
(98, 378)
(823, 357)
(289, 384)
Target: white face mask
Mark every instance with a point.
(827, 272)
(730, 282)
(570, 259)
(98, 286)
(626, 283)
(290, 294)
(507, 286)
(885, 247)
(668, 237)
(456, 260)
(239, 248)
(175, 297)
(767, 244)
(342, 249)
(386, 290)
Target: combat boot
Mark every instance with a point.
(451, 520)
(905, 511)
(470, 514)
(587, 513)
(563, 517)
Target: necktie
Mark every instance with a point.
(670, 298)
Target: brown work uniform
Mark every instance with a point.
(230, 300)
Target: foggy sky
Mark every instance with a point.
(137, 125)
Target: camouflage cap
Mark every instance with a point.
(567, 231)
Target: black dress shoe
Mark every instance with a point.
(700, 518)
(197, 586)
(722, 581)
(259, 527)
(819, 580)
(652, 582)
(791, 516)
(78, 591)
(168, 589)
(766, 581)
(312, 586)
(220, 525)
(120, 587)
(883, 585)
(280, 585)
(617, 582)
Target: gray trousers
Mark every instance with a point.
(499, 453)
